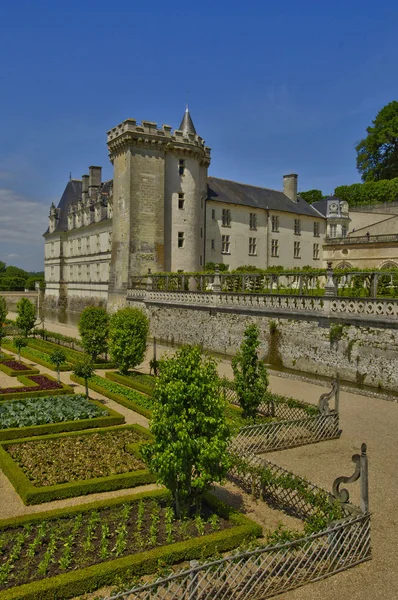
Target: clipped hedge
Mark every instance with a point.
(72, 356)
(31, 494)
(37, 359)
(76, 583)
(13, 373)
(24, 379)
(114, 396)
(113, 418)
(129, 382)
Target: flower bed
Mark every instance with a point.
(72, 464)
(38, 416)
(39, 385)
(12, 367)
(65, 553)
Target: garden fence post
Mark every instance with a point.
(193, 585)
(337, 394)
(364, 481)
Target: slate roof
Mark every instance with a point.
(187, 125)
(72, 193)
(223, 190)
(322, 205)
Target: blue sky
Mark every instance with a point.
(273, 88)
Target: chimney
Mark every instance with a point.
(85, 179)
(94, 180)
(290, 186)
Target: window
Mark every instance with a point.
(88, 245)
(200, 260)
(181, 201)
(253, 246)
(274, 247)
(213, 244)
(98, 272)
(226, 217)
(253, 221)
(181, 166)
(275, 223)
(225, 244)
(79, 272)
(344, 231)
(181, 239)
(88, 273)
(110, 240)
(52, 248)
(333, 231)
(201, 232)
(316, 228)
(315, 252)
(297, 226)
(79, 246)
(98, 243)
(213, 214)
(70, 273)
(296, 249)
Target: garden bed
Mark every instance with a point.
(39, 385)
(12, 367)
(60, 466)
(72, 356)
(68, 552)
(52, 414)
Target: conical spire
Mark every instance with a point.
(187, 125)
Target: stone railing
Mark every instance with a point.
(356, 308)
(363, 239)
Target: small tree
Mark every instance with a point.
(251, 380)
(94, 328)
(26, 316)
(57, 358)
(19, 343)
(128, 331)
(191, 435)
(85, 370)
(3, 316)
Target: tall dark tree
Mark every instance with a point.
(377, 154)
(311, 196)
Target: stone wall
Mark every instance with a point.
(364, 355)
(12, 298)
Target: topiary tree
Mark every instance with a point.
(3, 316)
(251, 380)
(191, 435)
(85, 370)
(57, 358)
(19, 343)
(94, 329)
(26, 316)
(128, 331)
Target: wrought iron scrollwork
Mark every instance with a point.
(323, 403)
(361, 470)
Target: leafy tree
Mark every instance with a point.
(251, 380)
(128, 331)
(370, 192)
(15, 272)
(2, 267)
(94, 329)
(26, 315)
(30, 283)
(85, 370)
(377, 154)
(57, 358)
(191, 436)
(311, 196)
(19, 343)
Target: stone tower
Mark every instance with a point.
(159, 192)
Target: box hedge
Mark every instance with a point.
(129, 382)
(113, 418)
(32, 494)
(25, 380)
(14, 373)
(76, 583)
(114, 396)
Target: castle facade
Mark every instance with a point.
(163, 212)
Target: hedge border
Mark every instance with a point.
(129, 382)
(113, 418)
(11, 373)
(38, 360)
(76, 583)
(36, 345)
(25, 380)
(116, 397)
(31, 494)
